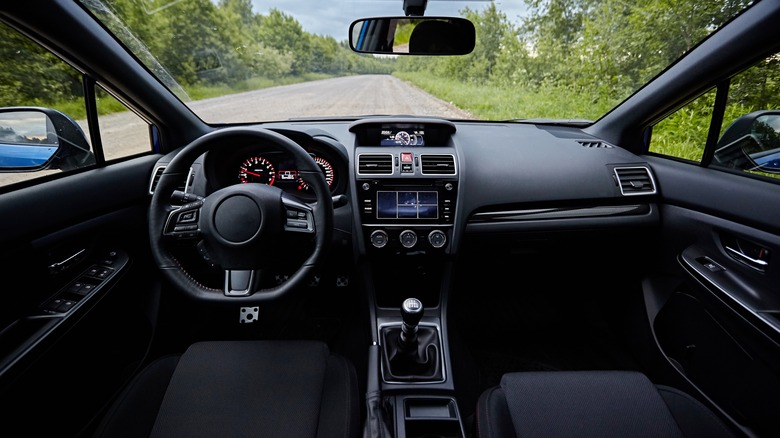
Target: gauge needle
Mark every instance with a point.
(252, 173)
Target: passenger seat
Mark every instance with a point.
(592, 404)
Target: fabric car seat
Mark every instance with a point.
(591, 404)
(240, 388)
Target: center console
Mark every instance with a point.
(406, 180)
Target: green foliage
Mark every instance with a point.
(566, 58)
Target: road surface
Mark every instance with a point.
(125, 133)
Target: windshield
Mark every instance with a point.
(259, 60)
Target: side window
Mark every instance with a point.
(683, 134)
(123, 133)
(749, 137)
(30, 146)
(44, 127)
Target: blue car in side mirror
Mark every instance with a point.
(37, 138)
(751, 143)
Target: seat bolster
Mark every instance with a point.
(493, 418)
(692, 416)
(340, 405)
(142, 396)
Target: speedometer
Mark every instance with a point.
(327, 169)
(257, 170)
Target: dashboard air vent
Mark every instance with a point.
(437, 164)
(158, 171)
(375, 164)
(155, 178)
(594, 144)
(635, 181)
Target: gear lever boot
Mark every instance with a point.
(411, 352)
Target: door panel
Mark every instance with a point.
(80, 293)
(716, 320)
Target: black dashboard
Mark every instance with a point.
(419, 185)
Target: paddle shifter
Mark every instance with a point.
(411, 351)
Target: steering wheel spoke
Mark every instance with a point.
(240, 283)
(182, 221)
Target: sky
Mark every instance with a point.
(319, 16)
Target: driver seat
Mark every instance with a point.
(240, 388)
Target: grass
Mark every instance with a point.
(199, 92)
(106, 104)
(492, 102)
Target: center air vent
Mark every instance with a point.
(437, 164)
(635, 181)
(375, 164)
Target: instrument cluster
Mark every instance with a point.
(262, 164)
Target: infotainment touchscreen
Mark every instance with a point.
(402, 137)
(407, 204)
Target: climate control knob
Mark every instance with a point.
(379, 238)
(437, 238)
(408, 238)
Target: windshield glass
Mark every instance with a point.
(261, 60)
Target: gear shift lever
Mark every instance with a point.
(411, 314)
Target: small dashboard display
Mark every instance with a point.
(402, 137)
(407, 205)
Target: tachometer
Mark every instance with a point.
(327, 169)
(257, 170)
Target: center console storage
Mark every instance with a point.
(426, 417)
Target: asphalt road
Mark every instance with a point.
(125, 133)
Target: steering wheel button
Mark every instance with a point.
(189, 216)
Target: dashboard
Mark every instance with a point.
(419, 185)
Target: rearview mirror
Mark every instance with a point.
(35, 138)
(412, 36)
(751, 143)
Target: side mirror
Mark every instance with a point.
(751, 143)
(35, 138)
(412, 36)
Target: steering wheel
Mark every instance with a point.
(241, 225)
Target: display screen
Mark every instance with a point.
(407, 205)
(402, 137)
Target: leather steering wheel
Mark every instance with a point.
(240, 224)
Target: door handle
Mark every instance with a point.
(66, 263)
(748, 253)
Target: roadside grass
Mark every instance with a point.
(199, 92)
(106, 104)
(495, 102)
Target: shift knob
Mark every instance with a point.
(411, 314)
